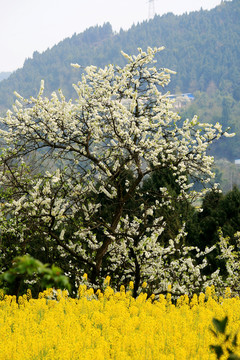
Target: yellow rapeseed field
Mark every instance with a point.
(112, 325)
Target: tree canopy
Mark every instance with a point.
(92, 210)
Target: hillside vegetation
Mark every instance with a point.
(201, 46)
(4, 75)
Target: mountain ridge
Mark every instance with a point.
(200, 46)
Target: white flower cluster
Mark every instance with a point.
(120, 124)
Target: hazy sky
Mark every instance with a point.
(29, 25)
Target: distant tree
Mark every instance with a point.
(220, 212)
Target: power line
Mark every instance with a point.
(151, 9)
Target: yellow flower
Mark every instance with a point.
(29, 294)
(111, 325)
(122, 288)
(131, 285)
(227, 294)
(144, 285)
(107, 280)
(85, 277)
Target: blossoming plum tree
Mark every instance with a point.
(102, 146)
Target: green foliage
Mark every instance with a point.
(219, 211)
(217, 106)
(226, 344)
(26, 270)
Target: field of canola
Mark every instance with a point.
(112, 325)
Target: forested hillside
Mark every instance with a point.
(218, 106)
(4, 75)
(200, 46)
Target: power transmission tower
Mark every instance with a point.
(151, 9)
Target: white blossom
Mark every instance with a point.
(103, 146)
